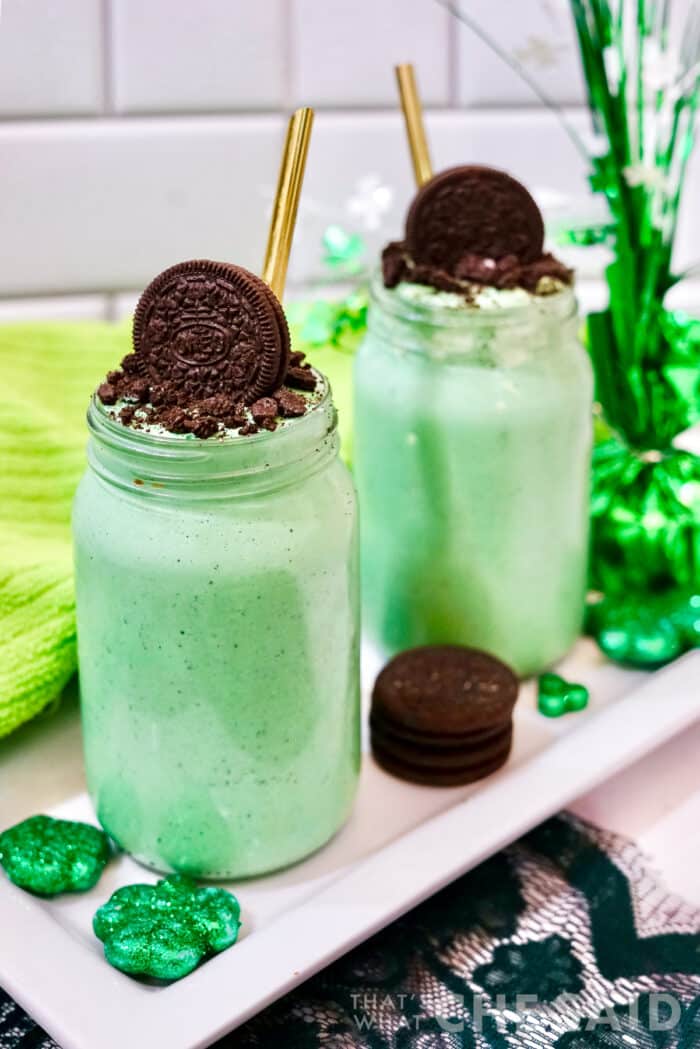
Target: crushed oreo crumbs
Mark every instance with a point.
(473, 272)
(138, 405)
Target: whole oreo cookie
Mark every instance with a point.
(477, 210)
(445, 690)
(442, 715)
(211, 328)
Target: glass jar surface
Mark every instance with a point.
(472, 458)
(218, 642)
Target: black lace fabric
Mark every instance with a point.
(563, 941)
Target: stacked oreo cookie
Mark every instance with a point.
(442, 715)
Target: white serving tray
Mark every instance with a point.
(402, 844)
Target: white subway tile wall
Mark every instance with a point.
(105, 205)
(342, 52)
(538, 36)
(180, 56)
(51, 58)
(135, 133)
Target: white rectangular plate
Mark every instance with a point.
(402, 844)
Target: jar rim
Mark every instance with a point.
(103, 425)
(560, 305)
(171, 464)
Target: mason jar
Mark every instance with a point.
(472, 450)
(218, 640)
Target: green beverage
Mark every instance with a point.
(217, 603)
(472, 445)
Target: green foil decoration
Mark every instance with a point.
(645, 510)
(646, 630)
(165, 930)
(557, 696)
(643, 94)
(343, 252)
(340, 323)
(49, 856)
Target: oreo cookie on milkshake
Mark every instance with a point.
(211, 346)
(441, 715)
(470, 227)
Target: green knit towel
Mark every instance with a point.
(48, 372)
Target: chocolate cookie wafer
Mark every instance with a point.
(446, 689)
(473, 209)
(381, 726)
(440, 774)
(442, 715)
(212, 328)
(447, 756)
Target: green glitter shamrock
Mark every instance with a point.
(48, 856)
(556, 696)
(166, 930)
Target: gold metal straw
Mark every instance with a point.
(284, 213)
(413, 116)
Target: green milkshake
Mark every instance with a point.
(472, 445)
(217, 597)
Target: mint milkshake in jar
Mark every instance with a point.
(473, 431)
(217, 590)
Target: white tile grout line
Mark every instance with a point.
(111, 312)
(491, 112)
(107, 57)
(453, 62)
(300, 288)
(289, 54)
